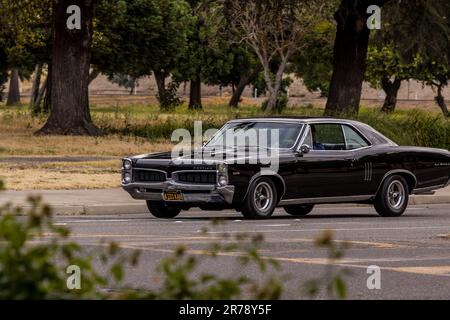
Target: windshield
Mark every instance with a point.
(257, 134)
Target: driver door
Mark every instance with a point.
(326, 170)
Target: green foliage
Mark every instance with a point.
(209, 54)
(180, 281)
(314, 62)
(34, 255)
(137, 36)
(333, 280)
(386, 63)
(405, 127)
(411, 128)
(418, 28)
(169, 99)
(25, 32)
(124, 81)
(283, 99)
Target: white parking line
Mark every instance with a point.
(342, 229)
(94, 221)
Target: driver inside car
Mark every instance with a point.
(316, 145)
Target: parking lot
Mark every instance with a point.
(413, 252)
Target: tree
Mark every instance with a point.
(386, 70)
(14, 88)
(24, 39)
(141, 37)
(274, 29)
(349, 56)
(208, 55)
(437, 75)
(314, 64)
(245, 70)
(413, 27)
(71, 58)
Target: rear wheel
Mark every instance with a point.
(392, 199)
(299, 210)
(261, 199)
(162, 210)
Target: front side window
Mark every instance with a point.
(353, 139)
(257, 134)
(327, 137)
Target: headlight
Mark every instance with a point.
(222, 168)
(126, 178)
(223, 181)
(127, 164)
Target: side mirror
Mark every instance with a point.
(304, 149)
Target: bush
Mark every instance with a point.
(413, 128)
(35, 255)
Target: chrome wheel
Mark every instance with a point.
(263, 197)
(396, 194)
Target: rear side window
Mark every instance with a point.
(327, 137)
(353, 139)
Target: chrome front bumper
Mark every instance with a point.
(191, 193)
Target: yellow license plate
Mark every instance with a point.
(173, 196)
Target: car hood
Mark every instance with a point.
(206, 158)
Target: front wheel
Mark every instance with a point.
(392, 198)
(261, 199)
(162, 210)
(299, 210)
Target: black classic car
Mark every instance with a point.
(318, 161)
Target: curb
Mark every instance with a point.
(97, 209)
(417, 200)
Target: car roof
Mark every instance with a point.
(302, 119)
(372, 135)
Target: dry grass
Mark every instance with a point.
(17, 139)
(61, 175)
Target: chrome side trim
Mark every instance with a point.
(368, 171)
(325, 200)
(427, 189)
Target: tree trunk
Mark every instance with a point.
(42, 91)
(160, 79)
(275, 89)
(35, 88)
(391, 89)
(47, 107)
(440, 100)
(14, 88)
(93, 75)
(71, 56)
(195, 99)
(244, 81)
(3, 72)
(349, 65)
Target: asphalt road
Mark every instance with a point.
(413, 252)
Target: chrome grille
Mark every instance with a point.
(148, 176)
(208, 177)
